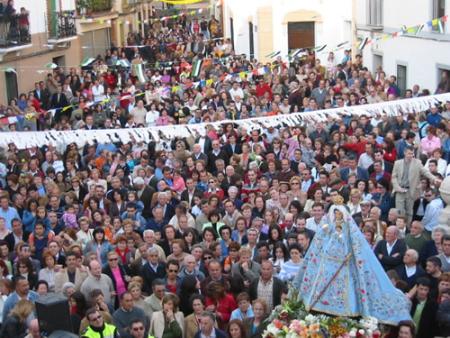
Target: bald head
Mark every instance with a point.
(391, 234)
(33, 328)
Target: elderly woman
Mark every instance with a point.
(255, 326)
(434, 246)
(168, 323)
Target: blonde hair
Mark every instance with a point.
(22, 309)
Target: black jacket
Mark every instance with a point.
(149, 276)
(278, 289)
(389, 261)
(427, 324)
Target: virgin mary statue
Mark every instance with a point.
(341, 276)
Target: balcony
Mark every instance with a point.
(14, 33)
(91, 7)
(62, 27)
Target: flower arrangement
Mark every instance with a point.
(292, 320)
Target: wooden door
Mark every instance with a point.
(301, 35)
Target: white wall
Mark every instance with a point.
(331, 30)
(422, 55)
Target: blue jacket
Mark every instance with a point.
(219, 334)
(12, 300)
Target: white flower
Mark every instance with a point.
(325, 227)
(310, 318)
(272, 330)
(361, 331)
(352, 333)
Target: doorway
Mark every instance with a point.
(301, 35)
(60, 61)
(232, 32)
(12, 91)
(251, 40)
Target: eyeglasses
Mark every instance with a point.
(139, 328)
(295, 183)
(173, 271)
(207, 258)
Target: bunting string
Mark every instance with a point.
(437, 24)
(61, 139)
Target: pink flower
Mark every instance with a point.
(324, 302)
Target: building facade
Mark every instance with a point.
(415, 58)
(260, 27)
(43, 32)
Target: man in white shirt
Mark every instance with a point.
(409, 271)
(98, 91)
(317, 220)
(236, 90)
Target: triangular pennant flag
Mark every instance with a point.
(10, 70)
(87, 61)
(196, 68)
(138, 71)
(441, 27)
(320, 48)
(363, 43)
(276, 54)
(419, 29)
(262, 71)
(51, 65)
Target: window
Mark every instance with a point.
(438, 12)
(401, 78)
(11, 85)
(375, 12)
(377, 61)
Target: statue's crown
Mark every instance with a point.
(338, 200)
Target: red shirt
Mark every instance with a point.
(262, 89)
(224, 307)
(390, 156)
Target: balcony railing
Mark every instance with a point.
(14, 30)
(62, 25)
(101, 5)
(88, 7)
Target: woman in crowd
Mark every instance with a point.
(236, 329)
(254, 327)
(169, 322)
(192, 322)
(99, 245)
(220, 302)
(48, 272)
(290, 268)
(15, 324)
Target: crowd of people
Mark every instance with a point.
(200, 236)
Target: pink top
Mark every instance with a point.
(428, 145)
(120, 283)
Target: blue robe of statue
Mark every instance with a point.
(341, 276)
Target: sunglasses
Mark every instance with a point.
(113, 259)
(173, 271)
(295, 183)
(207, 258)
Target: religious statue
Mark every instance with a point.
(341, 276)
